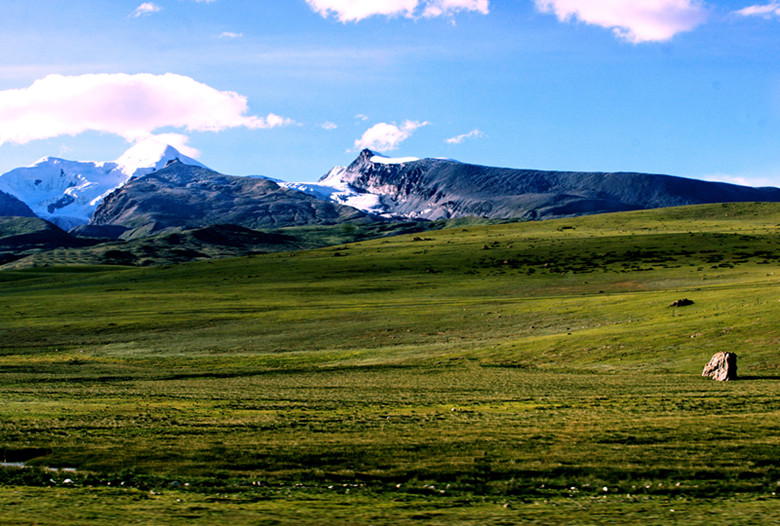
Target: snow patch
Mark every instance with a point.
(380, 159)
(67, 192)
(333, 187)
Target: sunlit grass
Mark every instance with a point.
(437, 377)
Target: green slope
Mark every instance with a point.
(177, 245)
(435, 376)
(22, 236)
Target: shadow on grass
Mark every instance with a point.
(775, 378)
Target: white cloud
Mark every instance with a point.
(448, 7)
(361, 117)
(329, 125)
(356, 10)
(473, 134)
(230, 34)
(767, 11)
(131, 106)
(147, 8)
(633, 20)
(385, 137)
(178, 141)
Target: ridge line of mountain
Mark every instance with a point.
(153, 186)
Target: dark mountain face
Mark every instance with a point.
(181, 195)
(435, 188)
(21, 236)
(11, 206)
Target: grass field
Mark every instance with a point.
(499, 374)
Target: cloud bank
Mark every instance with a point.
(131, 106)
(632, 20)
(384, 137)
(356, 10)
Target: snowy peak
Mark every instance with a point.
(67, 192)
(356, 185)
(149, 155)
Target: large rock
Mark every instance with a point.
(722, 367)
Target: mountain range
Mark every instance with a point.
(153, 189)
(428, 189)
(182, 195)
(67, 193)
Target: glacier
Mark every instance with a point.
(66, 193)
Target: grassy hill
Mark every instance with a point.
(178, 245)
(24, 236)
(498, 374)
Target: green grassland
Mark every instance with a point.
(497, 374)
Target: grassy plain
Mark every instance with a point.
(500, 374)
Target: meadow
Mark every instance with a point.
(481, 374)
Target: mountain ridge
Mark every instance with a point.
(66, 193)
(429, 188)
(12, 206)
(87, 197)
(181, 195)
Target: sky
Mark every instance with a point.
(290, 88)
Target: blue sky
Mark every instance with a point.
(289, 88)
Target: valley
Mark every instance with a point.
(503, 373)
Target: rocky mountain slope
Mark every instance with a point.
(440, 188)
(182, 195)
(11, 206)
(153, 187)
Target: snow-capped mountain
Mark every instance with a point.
(67, 192)
(411, 188)
(185, 196)
(335, 188)
(71, 193)
(336, 185)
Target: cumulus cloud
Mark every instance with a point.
(131, 106)
(147, 8)
(632, 20)
(385, 137)
(356, 10)
(473, 134)
(328, 125)
(766, 11)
